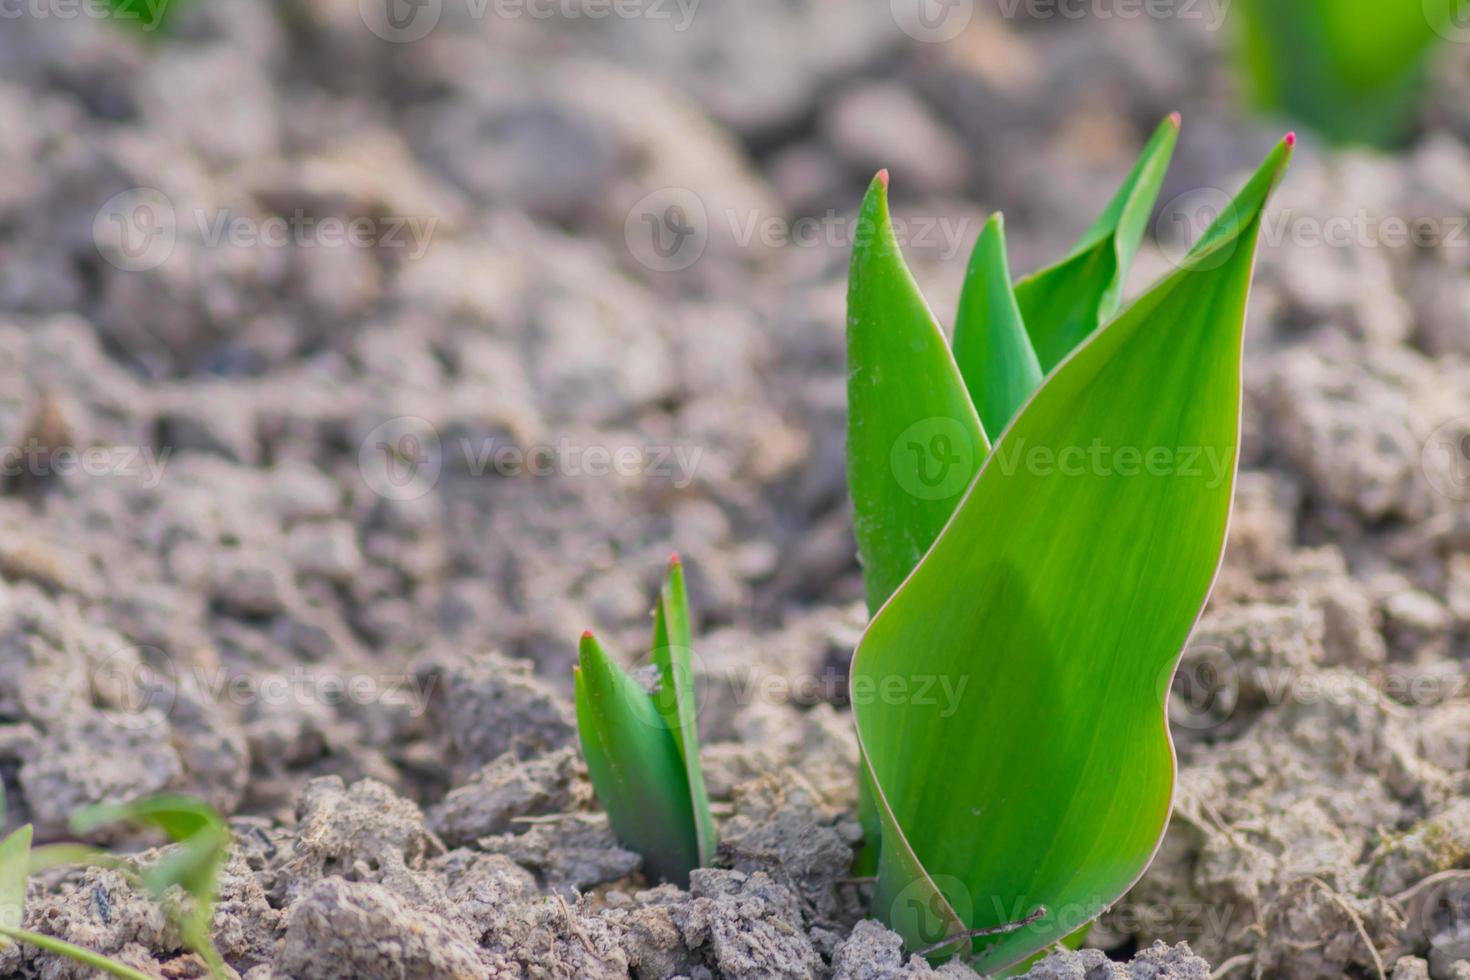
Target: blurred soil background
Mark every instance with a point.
(353, 359)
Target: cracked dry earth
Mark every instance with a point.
(371, 677)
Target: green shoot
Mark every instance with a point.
(1056, 596)
(642, 749)
(15, 868)
(204, 841)
(920, 417)
(1353, 70)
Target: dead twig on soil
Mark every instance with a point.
(1238, 960)
(973, 934)
(1356, 920)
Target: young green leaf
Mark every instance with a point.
(203, 840)
(15, 865)
(15, 856)
(1064, 304)
(991, 345)
(673, 643)
(914, 441)
(635, 765)
(1053, 608)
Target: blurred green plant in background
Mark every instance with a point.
(1352, 70)
(149, 16)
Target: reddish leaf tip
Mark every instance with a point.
(1176, 119)
(587, 635)
(673, 559)
(1291, 138)
(882, 178)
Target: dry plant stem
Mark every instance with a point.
(972, 934)
(1408, 894)
(1357, 922)
(1239, 960)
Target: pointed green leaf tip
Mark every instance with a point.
(1053, 609)
(673, 645)
(990, 341)
(1065, 303)
(642, 749)
(914, 440)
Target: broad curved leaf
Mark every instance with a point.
(1057, 602)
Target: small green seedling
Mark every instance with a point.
(642, 749)
(1040, 511)
(203, 840)
(1353, 70)
(15, 868)
(194, 825)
